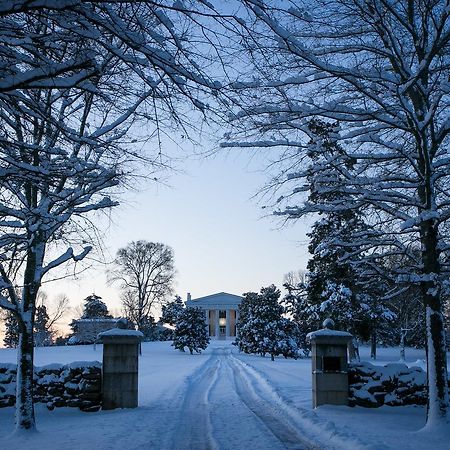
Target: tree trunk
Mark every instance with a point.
(373, 345)
(25, 419)
(402, 346)
(351, 348)
(24, 385)
(436, 351)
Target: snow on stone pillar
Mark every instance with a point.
(227, 326)
(329, 365)
(120, 367)
(217, 329)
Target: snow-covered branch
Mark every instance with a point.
(66, 256)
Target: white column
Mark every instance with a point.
(207, 320)
(227, 329)
(237, 320)
(217, 323)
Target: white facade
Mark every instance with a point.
(86, 330)
(221, 313)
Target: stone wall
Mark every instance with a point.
(75, 385)
(393, 385)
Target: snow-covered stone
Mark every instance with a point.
(77, 384)
(121, 332)
(394, 384)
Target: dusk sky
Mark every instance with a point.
(221, 237)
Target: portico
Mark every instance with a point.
(221, 313)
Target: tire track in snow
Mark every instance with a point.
(234, 425)
(227, 405)
(312, 431)
(271, 413)
(192, 429)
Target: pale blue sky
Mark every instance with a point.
(220, 238)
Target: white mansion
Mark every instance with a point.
(221, 313)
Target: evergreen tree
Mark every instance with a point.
(42, 333)
(172, 310)
(305, 315)
(408, 325)
(338, 286)
(11, 339)
(95, 308)
(262, 328)
(190, 331)
(247, 333)
(289, 339)
(332, 279)
(152, 332)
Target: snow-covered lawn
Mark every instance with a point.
(220, 400)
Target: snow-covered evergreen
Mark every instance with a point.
(94, 320)
(336, 285)
(190, 331)
(172, 310)
(262, 329)
(11, 339)
(95, 308)
(42, 333)
(155, 331)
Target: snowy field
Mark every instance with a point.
(221, 400)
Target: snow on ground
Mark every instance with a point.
(220, 400)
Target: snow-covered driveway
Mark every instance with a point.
(225, 406)
(220, 400)
(210, 401)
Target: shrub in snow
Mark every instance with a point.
(73, 340)
(392, 385)
(190, 331)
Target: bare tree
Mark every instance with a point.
(58, 308)
(145, 271)
(295, 278)
(380, 69)
(70, 97)
(150, 35)
(55, 308)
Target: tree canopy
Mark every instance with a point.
(379, 69)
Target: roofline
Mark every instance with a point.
(216, 295)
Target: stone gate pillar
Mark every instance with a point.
(329, 365)
(120, 367)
